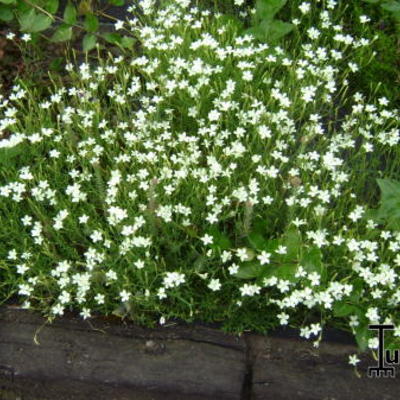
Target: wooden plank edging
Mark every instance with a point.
(101, 359)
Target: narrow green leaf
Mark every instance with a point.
(8, 1)
(63, 33)
(91, 23)
(362, 336)
(70, 14)
(117, 2)
(89, 42)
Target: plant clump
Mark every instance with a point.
(210, 176)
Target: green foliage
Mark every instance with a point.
(282, 266)
(32, 21)
(39, 16)
(389, 210)
(392, 6)
(89, 42)
(63, 33)
(264, 25)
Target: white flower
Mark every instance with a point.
(314, 278)
(373, 343)
(58, 309)
(233, 269)
(214, 285)
(249, 290)
(99, 298)
(83, 219)
(119, 25)
(85, 313)
(207, 239)
(173, 279)
(125, 295)
(353, 359)
(242, 254)
(26, 37)
(264, 257)
(96, 236)
(305, 7)
(283, 318)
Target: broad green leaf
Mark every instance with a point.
(6, 13)
(51, 6)
(127, 42)
(113, 38)
(257, 241)
(292, 241)
(8, 1)
(70, 14)
(389, 209)
(63, 33)
(220, 240)
(392, 6)
(200, 263)
(358, 287)
(267, 9)
(89, 42)
(285, 271)
(311, 261)
(91, 23)
(22, 7)
(249, 270)
(33, 22)
(344, 309)
(278, 29)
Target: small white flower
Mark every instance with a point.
(26, 37)
(85, 313)
(264, 257)
(119, 25)
(283, 318)
(125, 295)
(99, 298)
(214, 285)
(207, 239)
(83, 219)
(353, 359)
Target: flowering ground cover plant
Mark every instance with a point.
(210, 176)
